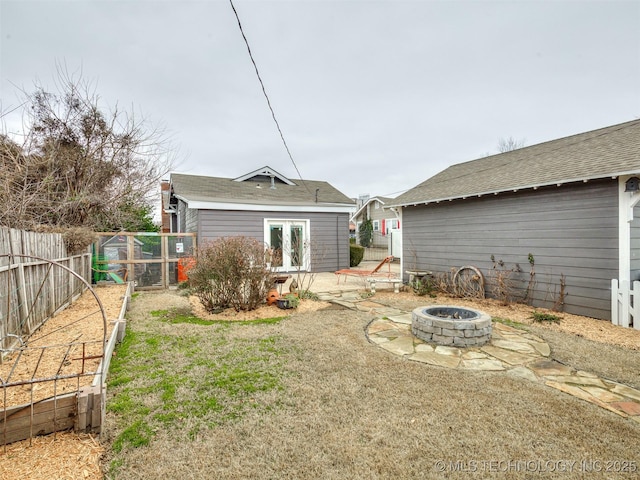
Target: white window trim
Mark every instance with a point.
(287, 222)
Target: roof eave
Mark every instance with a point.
(266, 207)
(514, 189)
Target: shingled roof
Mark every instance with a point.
(607, 152)
(263, 187)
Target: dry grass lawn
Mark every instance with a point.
(348, 409)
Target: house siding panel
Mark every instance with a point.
(191, 220)
(571, 231)
(182, 217)
(329, 232)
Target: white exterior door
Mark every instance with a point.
(288, 241)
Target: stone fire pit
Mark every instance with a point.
(451, 325)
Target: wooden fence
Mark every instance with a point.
(625, 303)
(30, 289)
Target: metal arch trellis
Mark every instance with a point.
(18, 348)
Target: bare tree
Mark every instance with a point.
(508, 144)
(78, 166)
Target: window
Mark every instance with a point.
(288, 241)
(376, 225)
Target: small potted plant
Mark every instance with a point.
(288, 301)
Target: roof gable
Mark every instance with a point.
(264, 173)
(607, 152)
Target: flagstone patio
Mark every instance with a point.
(511, 351)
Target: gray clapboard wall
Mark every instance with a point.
(329, 231)
(571, 231)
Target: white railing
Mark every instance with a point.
(625, 303)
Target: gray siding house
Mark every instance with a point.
(385, 223)
(570, 203)
(305, 222)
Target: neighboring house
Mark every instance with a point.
(570, 203)
(305, 222)
(386, 224)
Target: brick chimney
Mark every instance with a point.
(165, 193)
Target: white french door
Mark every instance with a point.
(288, 241)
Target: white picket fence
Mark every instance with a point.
(625, 303)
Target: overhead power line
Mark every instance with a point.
(264, 91)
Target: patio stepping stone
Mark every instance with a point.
(508, 356)
(349, 305)
(542, 348)
(514, 346)
(626, 391)
(522, 372)
(404, 318)
(550, 367)
(433, 358)
(501, 327)
(473, 355)
(380, 326)
(444, 350)
(576, 380)
(400, 346)
(378, 340)
(630, 408)
(369, 305)
(423, 347)
(351, 296)
(394, 333)
(485, 364)
(602, 394)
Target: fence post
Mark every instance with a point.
(625, 303)
(636, 304)
(22, 298)
(615, 318)
(165, 261)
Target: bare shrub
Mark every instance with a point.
(443, 281)
(315, 252)
(503, 285)
(231, 272)
(560, 294)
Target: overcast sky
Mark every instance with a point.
(372, 96)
